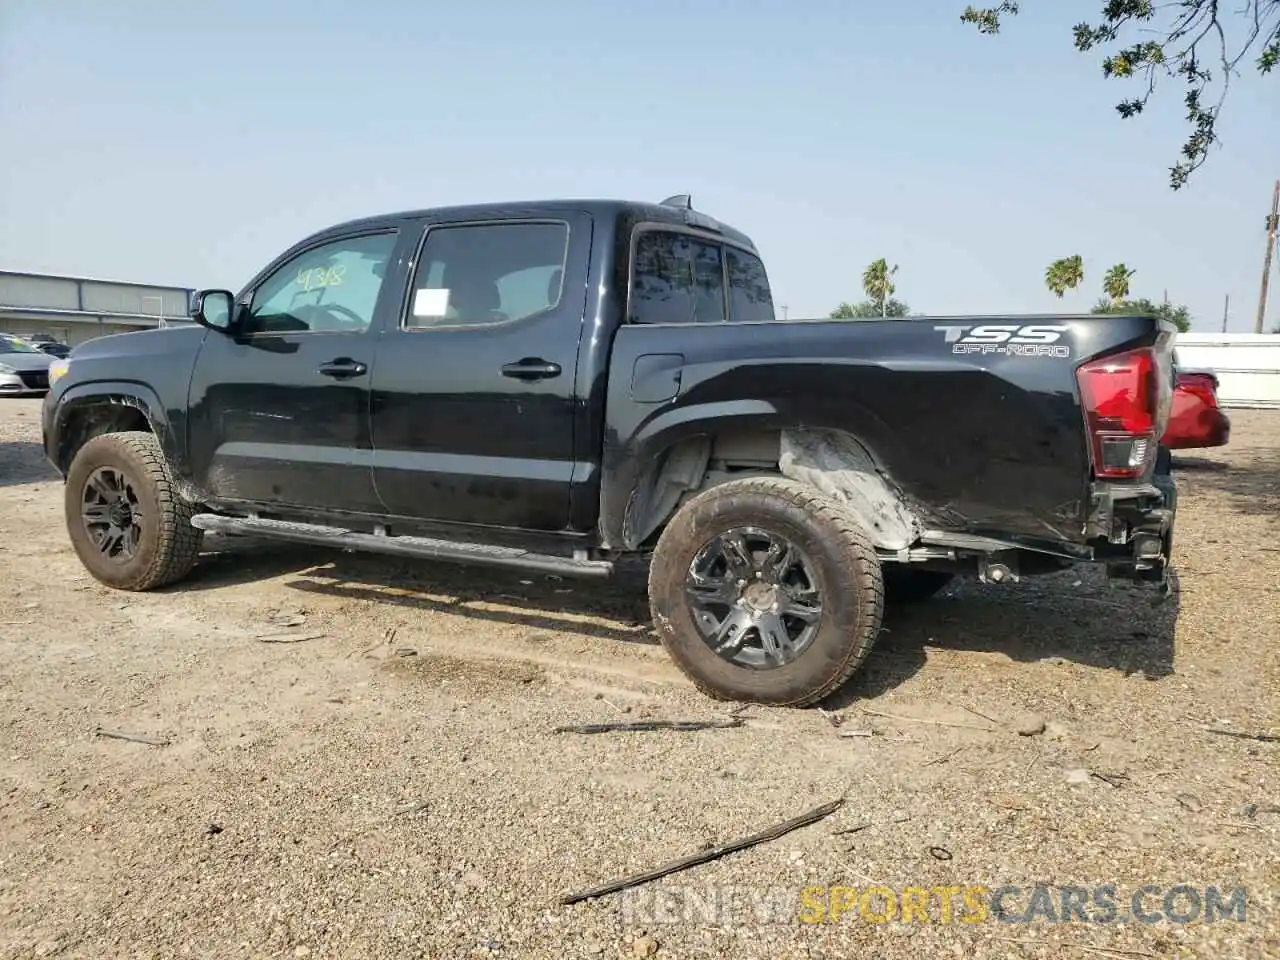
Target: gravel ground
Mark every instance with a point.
(392, 786)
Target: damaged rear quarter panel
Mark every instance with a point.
(976, 443)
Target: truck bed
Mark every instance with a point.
(976, 422)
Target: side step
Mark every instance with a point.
(425, 548)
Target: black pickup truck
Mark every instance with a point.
(552, 385)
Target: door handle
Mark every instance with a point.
(342, 368)
(531, 368)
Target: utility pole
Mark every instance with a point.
(1273, 226)
(1226, 306)
(785, 308)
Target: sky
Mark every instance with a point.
(188, 144)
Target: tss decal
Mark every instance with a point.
(1011, 339)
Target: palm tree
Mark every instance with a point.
(1116, 283)
(877, 282)
(1065, 274)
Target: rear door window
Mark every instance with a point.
(478, 274)
(677, 278)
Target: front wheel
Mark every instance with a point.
(126, 521)
(766, 591)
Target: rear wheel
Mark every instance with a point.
(126, 521)
(764, 590)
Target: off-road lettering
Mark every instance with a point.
(1011, 339)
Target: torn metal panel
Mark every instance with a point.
(837, 465)
(682, 469)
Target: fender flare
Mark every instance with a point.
(132, 394)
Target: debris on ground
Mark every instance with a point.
(859, 732)
(286, 618)
(645, 726)
(288, 637)
(937, 723)
(705, 856)
(945, 758)
(1029, 725)
(1240, 735)
(1116, 780)
(1251, 810)
(131, 737)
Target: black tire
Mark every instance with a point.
(165, 545)
(904, 585)
(833, 546)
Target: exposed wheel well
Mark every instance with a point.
(831, 461)
(89, 420)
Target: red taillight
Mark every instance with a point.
(1124, 404)
(1199, 386)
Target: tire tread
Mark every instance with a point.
(853, 538)
(178, 541)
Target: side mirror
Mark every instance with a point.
(214, 309)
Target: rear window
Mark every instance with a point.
(749, 292)
(679, 278)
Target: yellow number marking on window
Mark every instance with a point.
(313, 278)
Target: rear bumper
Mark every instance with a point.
(1130, 527)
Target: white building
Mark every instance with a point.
(75, 309)
(1247, 365)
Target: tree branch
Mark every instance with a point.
(1174, 52)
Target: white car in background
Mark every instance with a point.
(24, 370)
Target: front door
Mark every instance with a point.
(473, 391)
(280, 406)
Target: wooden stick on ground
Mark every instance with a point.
(705, 856)
(131, 737)
(977, 714)
(944, 758)
(938, 723)
(643, 726)
(1264, 737)
(1105, 951)
(1110, 952)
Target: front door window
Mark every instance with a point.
(332, 288)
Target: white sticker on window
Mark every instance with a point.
(431, 303)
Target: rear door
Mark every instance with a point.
(280, 409)
(473, 391)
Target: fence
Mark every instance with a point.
(1247, 365)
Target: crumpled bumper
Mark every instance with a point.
(1130, 526)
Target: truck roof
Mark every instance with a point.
(676, 210)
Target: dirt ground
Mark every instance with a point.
(390, 784)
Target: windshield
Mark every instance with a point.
(9, 345)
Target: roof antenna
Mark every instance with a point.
(682, 200)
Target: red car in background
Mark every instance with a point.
(1196, 419)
